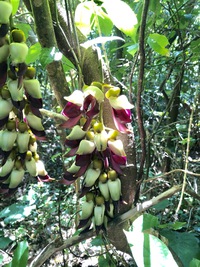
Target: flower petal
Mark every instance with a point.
(71, 110)
(76, 98)
(121, 117)
(120, 102)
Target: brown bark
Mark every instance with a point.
(46, 36)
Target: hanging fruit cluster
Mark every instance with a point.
(20, 101)
(98, 152)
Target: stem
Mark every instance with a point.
(187, 155)
(140, 90)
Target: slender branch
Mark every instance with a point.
(58, 244)
(170, 172)
(140, 90)
(187, 156)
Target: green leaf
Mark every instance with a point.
(67, 64)
(185, 245)
(97, 241)
(33, 53)
(48, 55)
(195, 263)
(158, 42)
(102, 261)
(4, 242)
(149, 221)
(16, 212)
(122, 16)
(82, 17)
(149, 250)
(15, 4)
(144, 222)
(132, 49)
(105, 23)
(100, 40)
(162, 205)
(20, 257)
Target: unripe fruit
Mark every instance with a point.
(18, 36)
(98, 127)
(89, 196)
(103, 177)
(22, 126)
(99, 200)
(98, 164)
(112, 134)
(114, 92)
(112, 175)
(30, 72)
(5, 94)
(90, 135)
(11, 125)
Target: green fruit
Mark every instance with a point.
(103, 177)
(11, 125)
(22, 126)
(112, 175)
(99, 200)
(30, 72)
(18, 36)
(98, 164)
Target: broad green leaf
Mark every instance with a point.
(149, 251)
(67, 64)
(48, 55)
(101, 20)
(122, 16)
(97, 241)
(4, 242)
(149, 221)
(155, 6)
(158, 43)
(132, 49)
(195, 263)
(162, 205)
(100, 40)
(144, 222)
(185, 245)
(16, 212)
(20, 257)
(15, 4)
(33, 53)
(105, 23)
(82, 17)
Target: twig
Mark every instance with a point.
(58, 244)
(170, 172)
(187, 155)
